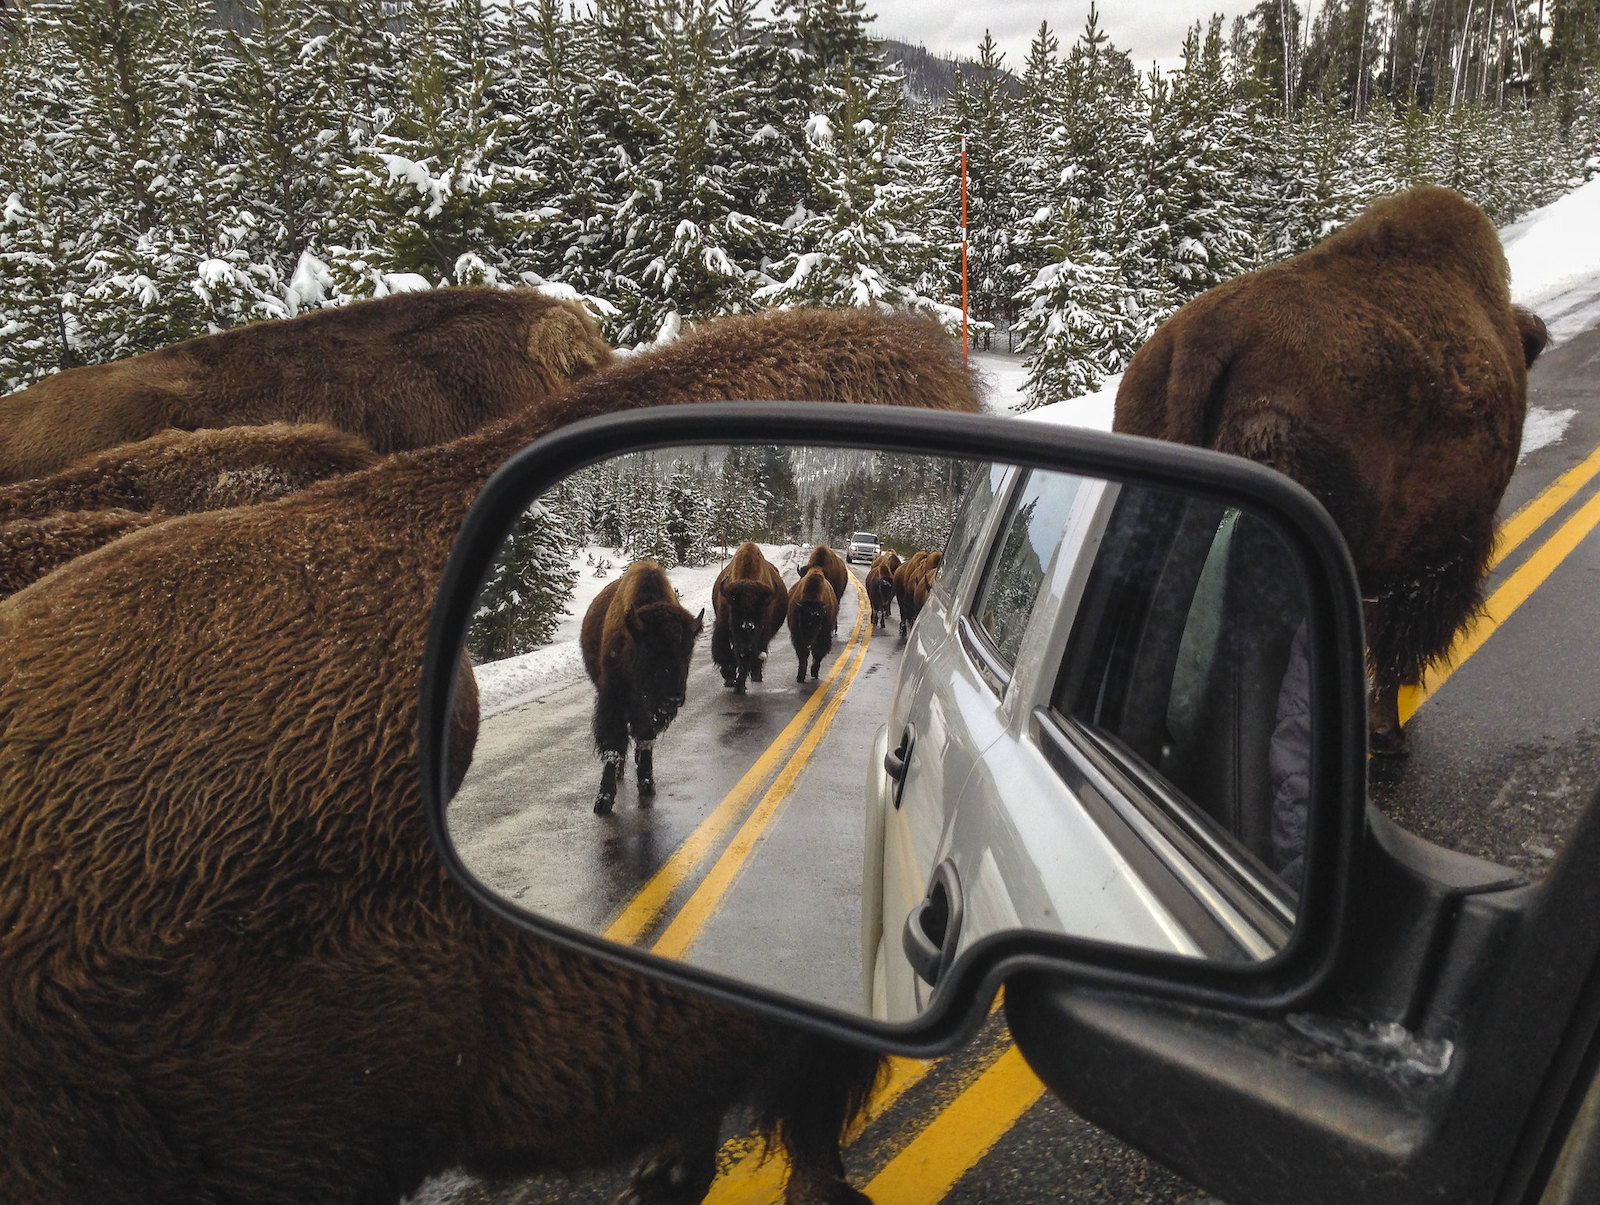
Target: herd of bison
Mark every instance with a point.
(638, 639)
(232, 965)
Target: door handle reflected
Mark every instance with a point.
(934, 926)
(898, 760)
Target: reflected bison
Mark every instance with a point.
(232, 963)
(833, 568)
(1386, 371)
(749, 603)
(636, 641)
(402, 371)
(880, 587)
(912, 581)
(813, 615)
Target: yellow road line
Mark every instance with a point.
(958, 1137)
(697, 910)
(647, 903)
(1533, 513)
(1510, 595)
(755, 1178)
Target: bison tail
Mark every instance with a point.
(1412, 620)
(815, 1099)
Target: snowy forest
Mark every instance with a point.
(170, 168)
(687, 506)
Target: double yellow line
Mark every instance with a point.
(1527, 577)
(782, 763)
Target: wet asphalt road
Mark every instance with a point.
(1503, 758)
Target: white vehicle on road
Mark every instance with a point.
(863, 547)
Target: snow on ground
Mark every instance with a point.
(515, 681)
(1554, 254)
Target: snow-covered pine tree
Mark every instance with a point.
(981, 108)
(681, 235)
(528, 588)
(1080, 316)
(435, 189)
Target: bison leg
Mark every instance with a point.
(816, 663)
(800, 674)
(607, 795)
(678, 1172)
(755, 668)
(644, 758)
(810, 1104)
(1385, 737)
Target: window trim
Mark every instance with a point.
(1255, 913)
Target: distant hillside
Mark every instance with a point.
(930, 76)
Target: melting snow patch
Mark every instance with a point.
(1542, 428)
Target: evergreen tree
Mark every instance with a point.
(529, 587)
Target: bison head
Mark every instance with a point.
(744, 609)
(663, 641)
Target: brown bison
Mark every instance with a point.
(912, 581)
(636, 641)
(880, 587)
(232, 964)
(402, 371)
(748, 605)
(179, 472)
(31, 548)
(1386, 371)
(47, 521)
(813, 616)
(833, 568)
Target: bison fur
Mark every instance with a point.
(232, 963)
(1385, 370)
(636, 641)
(402, 371)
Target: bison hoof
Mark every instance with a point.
(755, 674)
(669, 1180)
(603, 802)
(647, 786)
(1388, 742)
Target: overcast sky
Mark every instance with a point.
(1150, 31)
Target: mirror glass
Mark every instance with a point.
(821, 719)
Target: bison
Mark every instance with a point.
(813, 616)
(232, 963)
(180, 472)
(402, 371)
(826, 559)
(1385, 370)
(880, 587)
(31, 548)
(47, 521)
(636, 641)
(748, 603)
(912, 581)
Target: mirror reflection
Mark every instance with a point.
(821, 719)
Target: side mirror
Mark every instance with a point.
(1102, 715)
